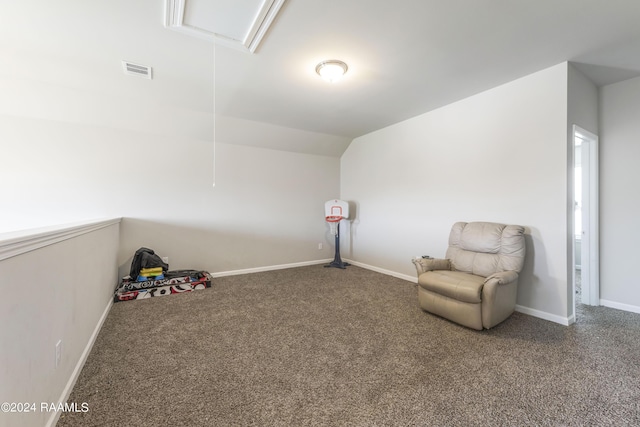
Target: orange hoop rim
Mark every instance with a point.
(333, 218)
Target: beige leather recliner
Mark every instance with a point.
(477, 284)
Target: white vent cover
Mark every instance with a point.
(137, 70)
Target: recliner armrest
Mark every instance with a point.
(503, 277)
(429, 264)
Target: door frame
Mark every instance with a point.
(590, 244)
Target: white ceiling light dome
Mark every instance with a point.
(331, 70)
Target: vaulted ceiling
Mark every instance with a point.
(405, 57)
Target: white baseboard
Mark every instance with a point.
(269, 268)
(620, 306)
(566, 321)
(521, 309)
(53, 419)
(307, 263)
(383, 271)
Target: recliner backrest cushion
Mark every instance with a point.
(485, 248)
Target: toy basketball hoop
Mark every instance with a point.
(335, 211)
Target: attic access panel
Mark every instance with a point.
(237, 23)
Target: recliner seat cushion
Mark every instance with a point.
(458, 285)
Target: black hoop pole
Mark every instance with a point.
(337, 261)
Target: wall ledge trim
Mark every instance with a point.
(19, 242)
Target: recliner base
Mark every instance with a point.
(466, 314)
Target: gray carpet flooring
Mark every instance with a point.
(316, 346)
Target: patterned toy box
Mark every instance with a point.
(174, 282)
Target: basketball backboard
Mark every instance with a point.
(336, 208)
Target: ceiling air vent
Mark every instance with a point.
(137, 70)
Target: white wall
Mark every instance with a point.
(57, 292)
(498, 156)
(582, 103)
(155, 167)
(266, 209)
(619, 198)
(582, 110)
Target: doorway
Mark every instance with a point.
(586, 224)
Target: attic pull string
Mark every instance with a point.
(214, 113)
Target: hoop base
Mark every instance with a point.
(337, 261)
(338, 264)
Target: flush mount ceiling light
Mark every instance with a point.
(331, 70)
